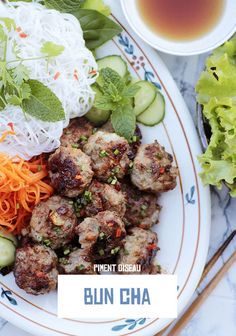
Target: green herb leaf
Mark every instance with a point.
(131, 90)
(13, 100)
(104, 103)
(51, 49)
(97, 28)
(117, 97)
(64, 5)
(25, 91)
(124, 121)
(20, 74)
(43, 103)
(2, 34)
(9, 23)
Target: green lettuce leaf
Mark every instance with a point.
(216, 92)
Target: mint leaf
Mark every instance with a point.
(43, 103)
(51, 49)
(124, 121)
(111, 76)
(20, 74)
(131, 90)
(25, 91)
(13, 100)
(104, 103)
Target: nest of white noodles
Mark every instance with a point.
(69, 76)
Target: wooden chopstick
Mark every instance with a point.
(216, 256)
(202, 297)
(208, 267)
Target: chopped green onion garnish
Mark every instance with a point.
(83, 138)
(101, 235)
(115, 250)
(75, 146)
(63, 261)
(66, 251)
(116, 152)
(103, 153)
(47, 242)
(101, 252)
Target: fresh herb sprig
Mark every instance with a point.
(17, 89)
(118, 98)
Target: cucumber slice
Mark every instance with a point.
(96, 116)
(155, 113)
(8, 236)
(114, 62)
(144, 97)
(7, 252)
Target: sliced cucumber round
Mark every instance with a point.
(9, 236)
(7, 252)
(155, 113)
(144, 97)
(114, 62)
(96, 116)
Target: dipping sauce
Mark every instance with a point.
(181, 19)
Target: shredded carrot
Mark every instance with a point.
(57, 75)
(23, 35)
(6, 133)
(23, 185)
(118, 233)
(76, 75)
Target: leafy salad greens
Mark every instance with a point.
(216, 91)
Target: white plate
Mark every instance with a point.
(185, 219)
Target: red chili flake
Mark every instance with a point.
(40, 274)
(57, 75)
(162, 170)
(152, 247)
(117, 187)
(23, 35)
(93, 72)
(11, 125)
(118, 233)
(18, 29)
(82, 213)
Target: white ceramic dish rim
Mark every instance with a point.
(225, 28)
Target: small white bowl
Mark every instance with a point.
(223, 30)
